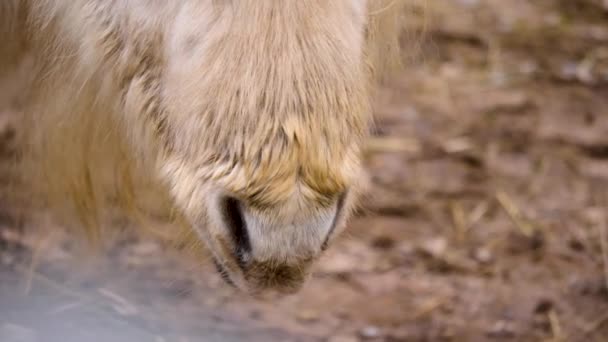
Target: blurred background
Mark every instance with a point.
(486, 219)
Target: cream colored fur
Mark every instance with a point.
(140, 104)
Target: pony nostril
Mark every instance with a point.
(235, 222)
(337, 217)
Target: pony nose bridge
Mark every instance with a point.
(289, 239)
(290, 232)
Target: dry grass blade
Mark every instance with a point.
(27, 271)
(119, 303)
(556, 328)
(604, 247)
(514, 213)
(40, 246)
(478, 212)
(460, 221)
(595, 325)
(393, 144)
(429, 307)
(458, 145)
(69, 306)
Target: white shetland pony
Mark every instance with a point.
(249, 115)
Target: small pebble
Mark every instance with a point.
(502, 329)
(370, 332)
(435, 247)
(307, 316)
(343, 338)
(483, 255)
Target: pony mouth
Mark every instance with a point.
(262, 279)
(256, 277)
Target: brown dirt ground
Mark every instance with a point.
(486, 221)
